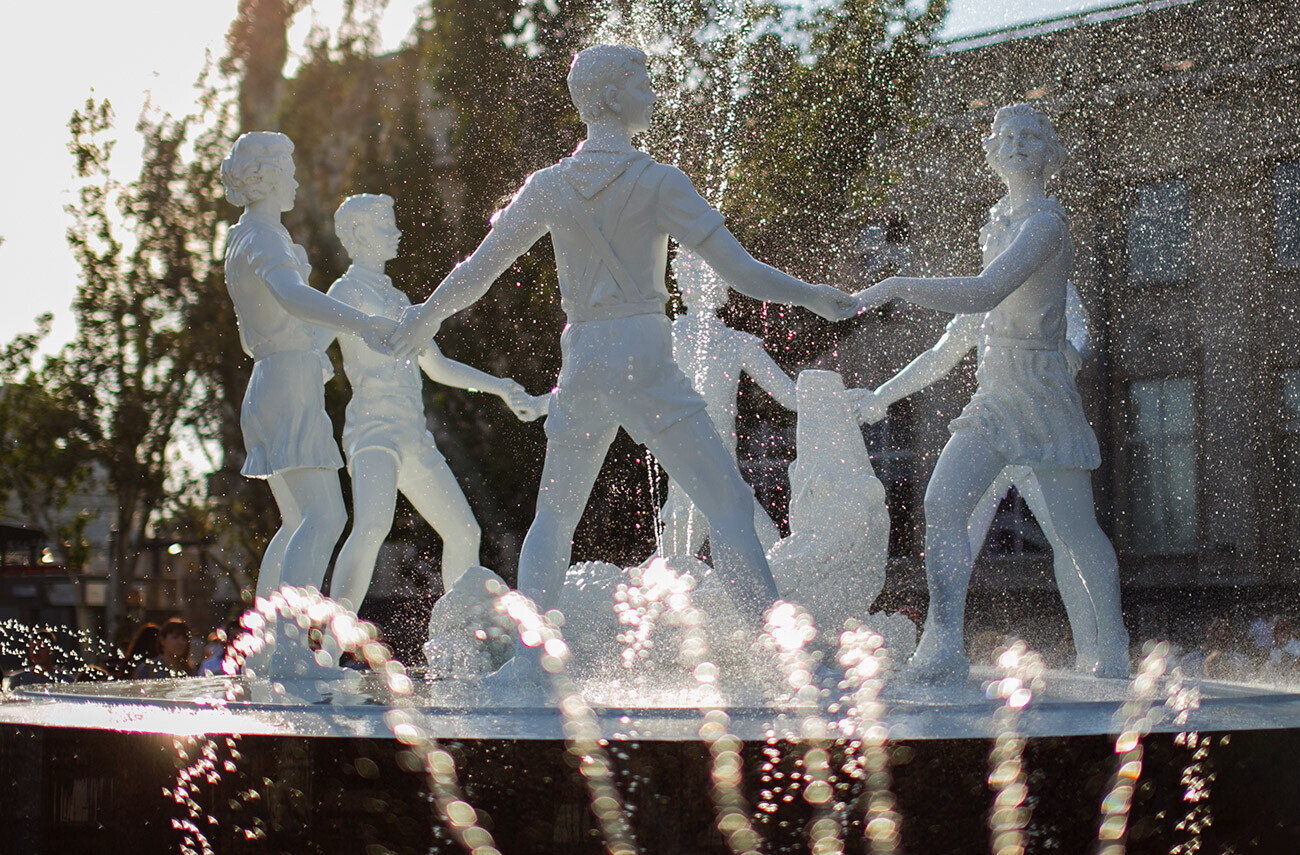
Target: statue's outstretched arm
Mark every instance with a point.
(955, 343)
(515, 230)
(762, 281)
(1039, 238)
(306, 303)
(449, 372)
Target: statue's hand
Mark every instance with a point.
(1073, 359)
(526, 407)
(832, 303)
(871, 408)
(377, 333)
(877, 295)
(413, 332)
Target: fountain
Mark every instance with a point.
(718, 723)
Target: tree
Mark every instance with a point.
(149, 266)
(45, 455)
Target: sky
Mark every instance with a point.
(55, 55)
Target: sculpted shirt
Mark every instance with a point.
(634, 203)
(253, 250)
(375, 375)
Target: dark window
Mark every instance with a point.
(1162, 506)
(1159, 230)
(1286, 200)
(1289, 468)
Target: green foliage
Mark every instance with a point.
(821, 129)
(44, 447)
(146, 314)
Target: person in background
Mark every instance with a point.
(143, 647)
(40, 661)
(214, 654)
(174, 641)
(1283, 663)
(1216, 659)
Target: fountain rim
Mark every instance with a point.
(1074, 706)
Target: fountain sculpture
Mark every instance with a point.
(1026, 411)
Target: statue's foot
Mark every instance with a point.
(1112, 659)
(936, 664)
(1114, 667)
(289, 658)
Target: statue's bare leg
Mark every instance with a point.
(374, 498)
(1067, 566)
(985, 510)
(268, 577)
(436, 495)
(1068, 496)
(318, 497)
(568, 474)
(695, 457)
(312, 497)
(967, 466)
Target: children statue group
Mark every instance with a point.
(610, 210)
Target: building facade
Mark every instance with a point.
(1183, 189)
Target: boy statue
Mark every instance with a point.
(610, 210)
(388, 445)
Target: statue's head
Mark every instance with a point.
(366, 223)
(1022, 137)
(702, 289)
(259, 166)
(610, 81)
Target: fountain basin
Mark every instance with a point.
(92, 766)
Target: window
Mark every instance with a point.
(1159, 230)
(1286, 201)
(889, 443)
(1162, 507)
(1289, 462)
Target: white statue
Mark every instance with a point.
(961, 336)
(833, 563)
(1026, 410)
(610, 210)
(288, 438)
(713, 356)
(388, 444)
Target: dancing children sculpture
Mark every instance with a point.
(610, 210)
(388, 446)
(288, 438)
(960, 337)
(1026, 409)
(713, 356)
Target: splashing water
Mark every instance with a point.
(1181, 700)
(865, 660)
(788, 633)
(583, 738)
(1022, 677)
(1139, 714)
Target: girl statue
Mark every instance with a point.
(288, 438)
(1026, 409)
